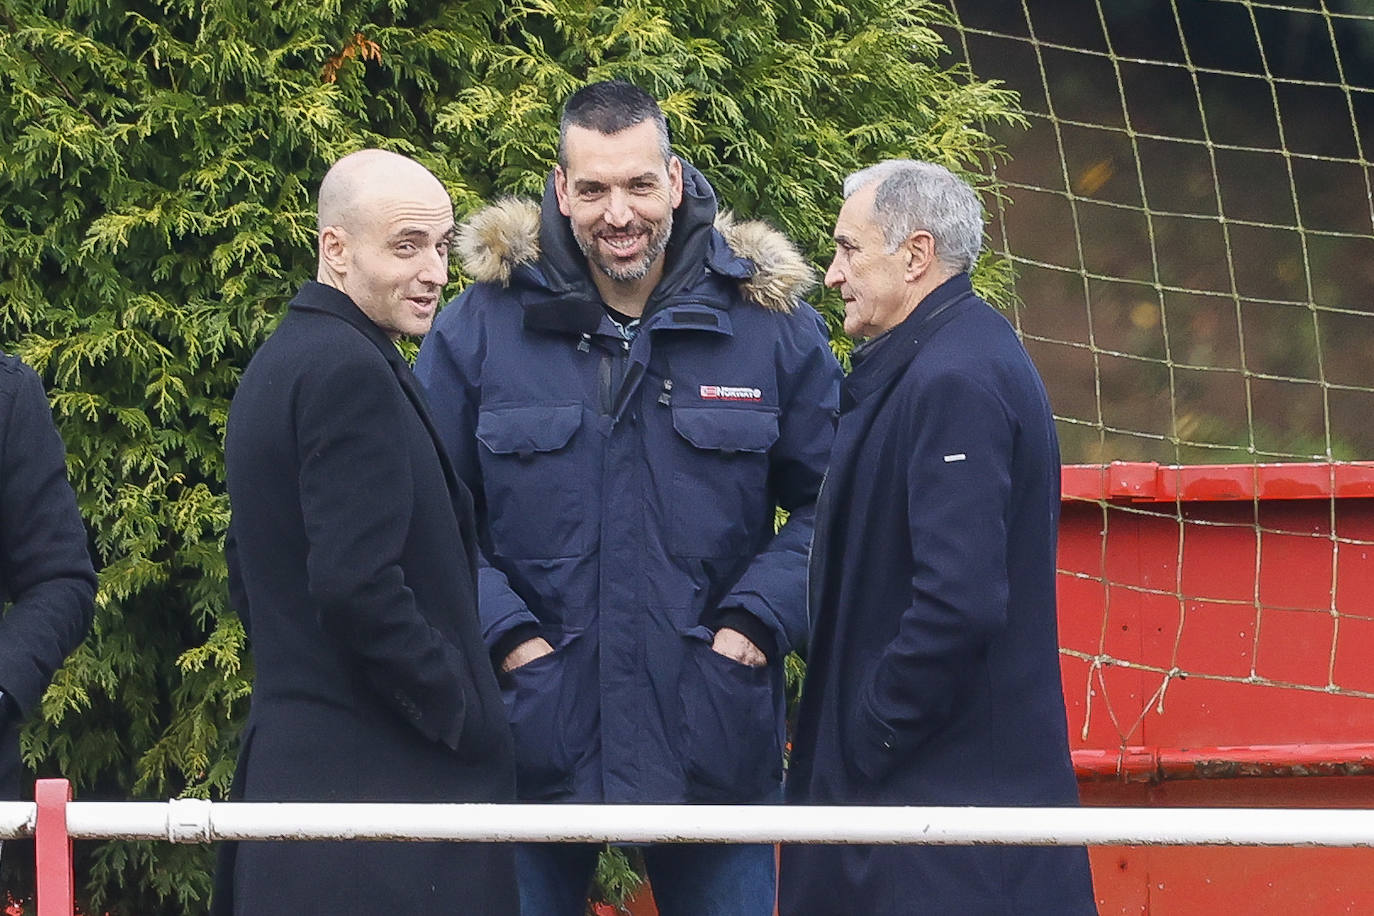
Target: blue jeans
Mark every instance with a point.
(688, 879)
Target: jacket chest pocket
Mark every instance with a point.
(720, 484)
(534, 477)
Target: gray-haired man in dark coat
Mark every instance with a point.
(933, 674)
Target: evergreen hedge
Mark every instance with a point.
(157, 165)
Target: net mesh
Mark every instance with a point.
(1191, 218)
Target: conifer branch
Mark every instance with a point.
(67, 93)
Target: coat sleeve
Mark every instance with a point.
(44, 564)
(773, 587)
(357, 499)
(957, 491)
(238, 593)
(448, 369)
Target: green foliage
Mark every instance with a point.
(618, 875)
(156, 215)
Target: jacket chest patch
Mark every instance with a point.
(730, 393)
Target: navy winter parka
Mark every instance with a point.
(626, 493)
(933, 670)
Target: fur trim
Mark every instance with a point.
(496, 238)
(781, 275)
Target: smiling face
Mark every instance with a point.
(619, 194)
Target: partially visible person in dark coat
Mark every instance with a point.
(351, 563)
(47, 585)
(933, 670)
(631, 392)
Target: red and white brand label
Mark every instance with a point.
(730, 393)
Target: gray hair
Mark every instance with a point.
(913, 196)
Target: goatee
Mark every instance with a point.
(628, 273)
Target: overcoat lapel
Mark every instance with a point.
(318, 297)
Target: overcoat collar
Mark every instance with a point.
(320, 297)
(874, 363)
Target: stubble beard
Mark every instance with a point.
(658, 243)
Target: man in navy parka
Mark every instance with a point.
(630, 391)
(933, 669)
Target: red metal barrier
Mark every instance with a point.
(53, 848)
(1218, 635)
(1156, 764)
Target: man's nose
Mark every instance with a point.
(618, 212)
(434, 271)
(833, 276)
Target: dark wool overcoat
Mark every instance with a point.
(626, 489)
(933, 671)
(351, 563)
(47, 585)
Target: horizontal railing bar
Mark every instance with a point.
(17, 819)
(193, 820)
(1149, 764)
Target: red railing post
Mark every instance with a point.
(53, 848)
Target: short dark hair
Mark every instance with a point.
(608, 108)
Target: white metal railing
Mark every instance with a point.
(53, 820)
(197, 821)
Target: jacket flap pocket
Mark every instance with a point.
(527, 429)
(727, 429)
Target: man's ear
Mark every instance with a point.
(920, 254)
(560, 188)
(334, 249)
(675, 180)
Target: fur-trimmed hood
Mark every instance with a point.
(504, 235)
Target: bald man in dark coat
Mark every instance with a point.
(351, 562)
